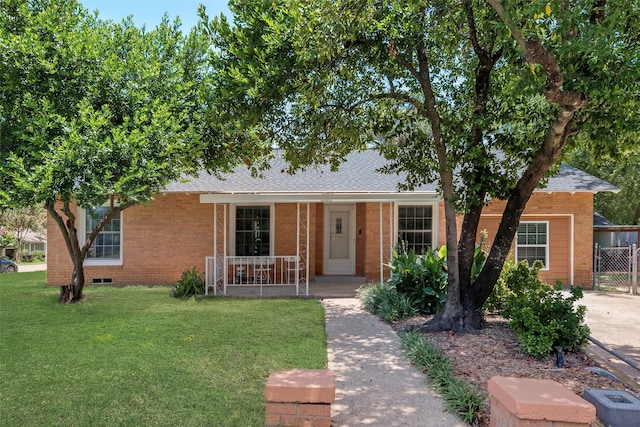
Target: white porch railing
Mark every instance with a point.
(223, 272)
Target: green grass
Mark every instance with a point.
(135, 356)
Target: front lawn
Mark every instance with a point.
(135, 356)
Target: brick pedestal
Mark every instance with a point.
(519, 402)
(300, 398)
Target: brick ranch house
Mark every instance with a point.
(292, 229)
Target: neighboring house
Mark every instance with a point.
(284, 229)
(608, 235)
(31, 241)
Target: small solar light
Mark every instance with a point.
(559, 356)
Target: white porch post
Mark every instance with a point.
(391, 237)
(392, 227)
(634, 269)
(215, 254)
(224, 248)
(299, 253)
(307, 263)
(297, 263)
(381, 248)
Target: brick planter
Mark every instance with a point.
(519, 402)
(300, 398)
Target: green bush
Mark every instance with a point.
(385, 302)
(189, 285)
(540, 315)
(37, 256)
(497, 300)
(423, 278)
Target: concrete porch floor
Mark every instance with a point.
(322, 287)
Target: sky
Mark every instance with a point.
(149, 12)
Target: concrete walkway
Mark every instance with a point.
(25, 268)
(375, 385)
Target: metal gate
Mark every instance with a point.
(616, 269)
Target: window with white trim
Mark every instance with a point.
(415, 227)
(107, 246)
(532, 242)
(252, 230)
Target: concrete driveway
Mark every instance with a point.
(614, 320)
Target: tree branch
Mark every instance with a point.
(376, 96)
(50, 207)
(536, 53)
(113, 211)
(499, 9)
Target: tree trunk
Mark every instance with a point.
(467, 314)
(73, 292)
(460, 312)
(451, 315)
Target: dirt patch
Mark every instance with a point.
(496, 350)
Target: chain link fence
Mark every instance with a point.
(616, 269)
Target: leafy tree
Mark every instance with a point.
(6, 238)
(20, 221)
(622, 208)
(478, 96)
(94, 111)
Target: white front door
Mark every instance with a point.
(339, 239)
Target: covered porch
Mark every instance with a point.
(286, 272)
(321, 287)
(298, 259)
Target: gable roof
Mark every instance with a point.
(570, 179)
(357, 178)
(28, 236)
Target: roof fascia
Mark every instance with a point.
(318, 198)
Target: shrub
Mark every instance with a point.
(497, 300)
(541, 316)
(38, 256)
(189, 285)
(460, 397)
(422, 278)
(385, 302)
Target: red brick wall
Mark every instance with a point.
(159, 242)
(286, 225)
(172, 234)
(559, 244)
(373, 261)
(361, 233)
(286, 229)
(175, 233)
(442, 229)
(558, 209)
(319, 240)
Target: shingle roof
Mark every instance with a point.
(598, 219)
(571, 179)
(357, 175)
